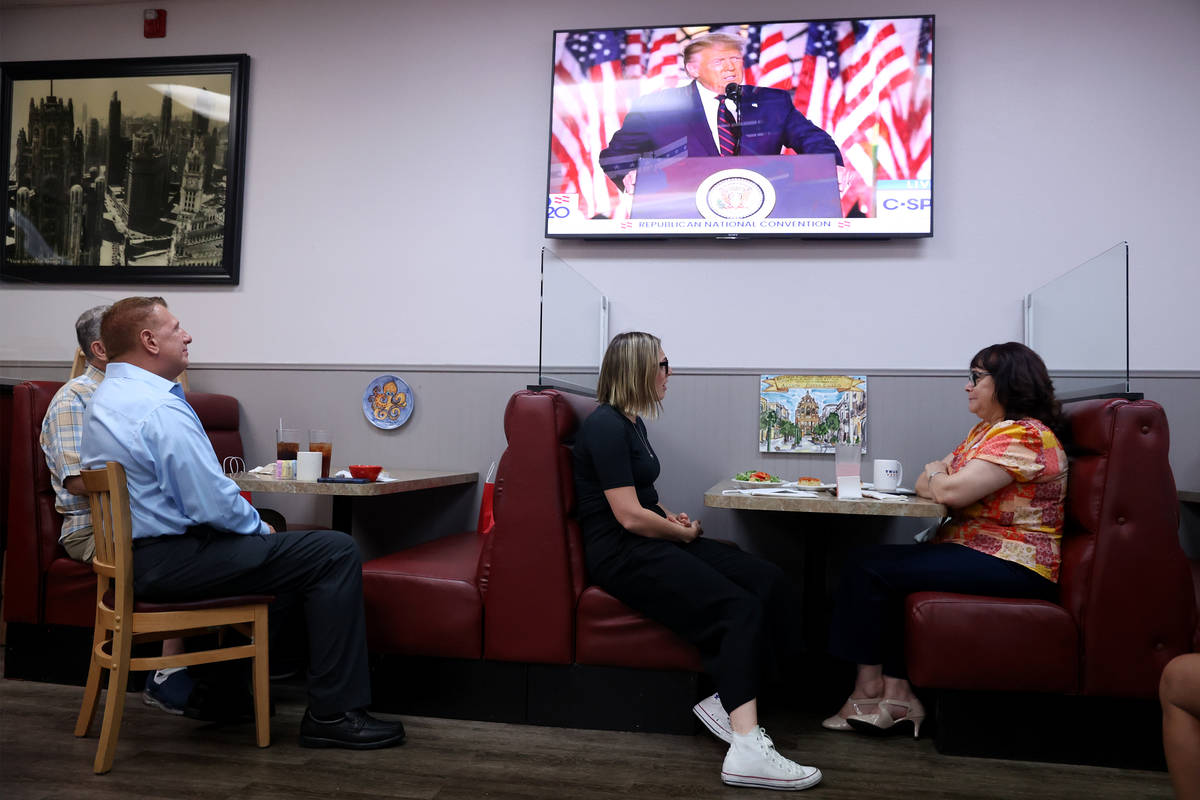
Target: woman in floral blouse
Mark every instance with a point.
(1005, 485)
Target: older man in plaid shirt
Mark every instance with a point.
(62, 432)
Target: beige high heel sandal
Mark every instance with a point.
(883, 722)
(838, 723)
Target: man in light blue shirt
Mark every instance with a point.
(194, 536)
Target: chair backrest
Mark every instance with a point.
(1125, 578)
(33, 524)
(78, 364)
(533, 561)
(112, 527)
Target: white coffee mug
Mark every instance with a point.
(308, 465)
(888, 475)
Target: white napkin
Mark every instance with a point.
(383, 476)
(265, 469)
(898, 498)
(781, 491)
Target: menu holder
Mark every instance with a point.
(849, 487)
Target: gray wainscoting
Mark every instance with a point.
(708, 431)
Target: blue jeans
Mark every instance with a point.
(868, 616)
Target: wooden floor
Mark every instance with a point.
(162, 756)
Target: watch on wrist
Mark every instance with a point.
(929, 476)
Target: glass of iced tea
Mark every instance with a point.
(287, 443)
(320, 441)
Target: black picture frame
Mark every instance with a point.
(173, 214)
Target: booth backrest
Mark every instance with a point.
(1125, 579)
(529, 600)
(532, 569)
(33, 523)
(5, 449)
(218, 414)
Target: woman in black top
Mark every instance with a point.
(737, 609)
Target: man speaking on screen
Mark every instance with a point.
(714, 115)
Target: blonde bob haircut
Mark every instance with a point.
(629, 374)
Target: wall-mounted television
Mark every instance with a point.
(813, 128)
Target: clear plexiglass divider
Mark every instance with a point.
(1079, 324)
(574, 328)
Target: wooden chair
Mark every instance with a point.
(121, 621)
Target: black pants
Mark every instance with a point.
(868, 618)
(318, 573)
(739, 610)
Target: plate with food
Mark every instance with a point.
(752, 479)
(812, 484)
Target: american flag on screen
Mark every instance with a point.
(819, 85)
(635, 53)
(767, 62)
(874, 68)
(857, 82)
(664, 64)
(920, 120)
(589, 105)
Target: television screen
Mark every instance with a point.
(817, 128)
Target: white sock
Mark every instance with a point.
(745, 739)
(160, 676)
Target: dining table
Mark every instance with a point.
(403, 479)
(727, 494)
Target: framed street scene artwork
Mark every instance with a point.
(123, 170)
(811, 413)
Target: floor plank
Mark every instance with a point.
(161, 756)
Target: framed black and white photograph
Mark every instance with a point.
(124, 170)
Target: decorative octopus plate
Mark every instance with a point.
(387, 402)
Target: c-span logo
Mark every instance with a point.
(735, 194)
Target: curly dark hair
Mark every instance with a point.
(1023, 386)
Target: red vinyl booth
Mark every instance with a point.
(520, 593)
(43, 586)
(1126, 606)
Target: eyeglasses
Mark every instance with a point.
(976, 375)
(664, 365)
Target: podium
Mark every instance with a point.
(737, 187)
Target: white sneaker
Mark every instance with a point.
(753, 761)
(715, 718)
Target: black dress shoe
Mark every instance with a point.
(356, 730)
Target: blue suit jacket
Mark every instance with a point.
(672, 122)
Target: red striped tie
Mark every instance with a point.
(725, 127)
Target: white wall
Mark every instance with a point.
(396, 185)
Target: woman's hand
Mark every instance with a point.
(975, 481)
(922, 486)
(936, 466)
(690, 530)
(635, 518)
